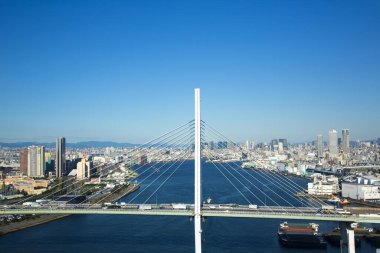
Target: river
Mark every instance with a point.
(113, 233)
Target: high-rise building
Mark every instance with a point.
(142, 160)
(48, 157)
(346, 141)
(81, 169)
(274, 144)
(36, 161)
(89, 169)
(319, 145)
(253, 145)
(284, 143)
(24, 161)
(85, 169)
(333, 143)
(378, 141)
(280, 147)
(60, 156)
(212, 145)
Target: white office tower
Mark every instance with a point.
(346, 141)
(81, 169)
(253, 145)
(36, 161)
(333, 143)
(84, 169)
(247, 145)
(280, 147)
(319, 145)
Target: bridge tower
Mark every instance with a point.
(197, 167)
(347, 237)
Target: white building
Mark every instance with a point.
(333, 143)
(81, 169)
(319, 145)
(360, 191)
(36, 161)
(85, 169)
(323, 185)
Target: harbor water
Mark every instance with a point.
(123, 233)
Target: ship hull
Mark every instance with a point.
(334, 239)
(301, 240)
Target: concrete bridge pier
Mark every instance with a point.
(347, 237)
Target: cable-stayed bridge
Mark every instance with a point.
(265, 193)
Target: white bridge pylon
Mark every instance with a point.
(197, 176)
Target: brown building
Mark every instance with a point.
(24, 161)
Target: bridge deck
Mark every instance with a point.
(231, 212)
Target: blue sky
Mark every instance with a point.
(126, 70)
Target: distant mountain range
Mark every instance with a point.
(83, 144)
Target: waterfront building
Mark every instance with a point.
(345, 141)
(36, 161)
(360, 191)
(319, 145)
(60, 156)
(323, 185)
(142, 160)
(333, 143)
(23, 183)
(24, 161)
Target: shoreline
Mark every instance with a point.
(46, 218)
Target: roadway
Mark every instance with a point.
(229, 210)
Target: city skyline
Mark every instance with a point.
(121, 76)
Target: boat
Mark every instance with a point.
(344, 202)
(300, 235)
(334, 200)
(248, 165)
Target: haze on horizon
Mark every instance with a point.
(125, 71)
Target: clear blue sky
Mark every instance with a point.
(126, 70)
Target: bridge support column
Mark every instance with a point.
(347, 237)
(197, 176)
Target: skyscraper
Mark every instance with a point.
(36, 161)
(24, 161)
(333, 143)
(284, 143)
(319, 145)
(60, 156)
(346, 141)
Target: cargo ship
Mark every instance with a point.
(300, 235)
